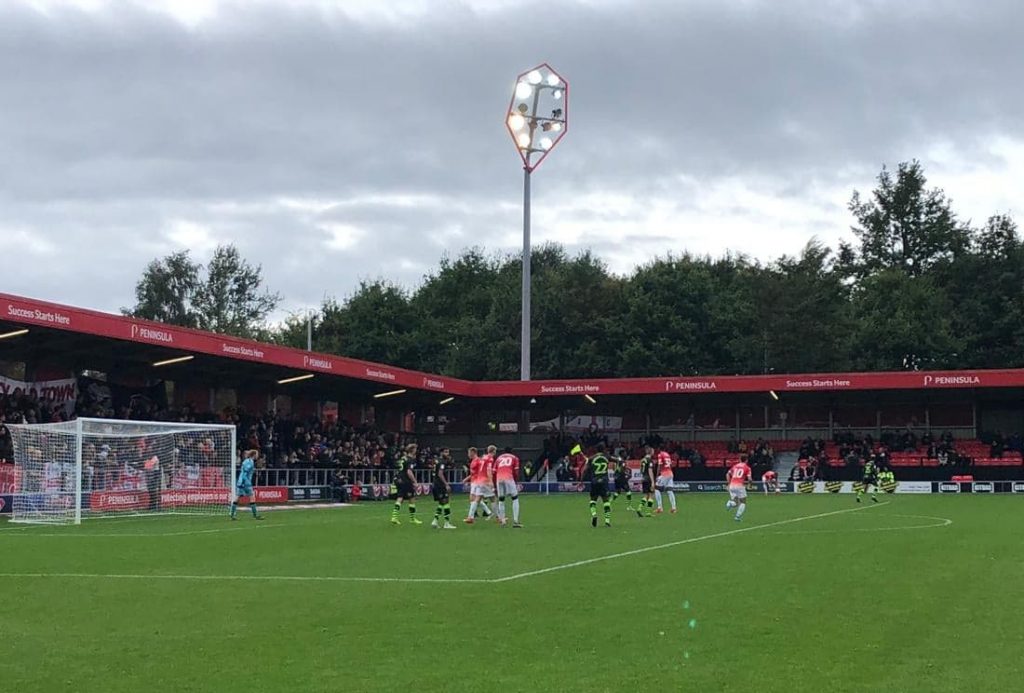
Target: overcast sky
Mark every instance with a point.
(339, 140)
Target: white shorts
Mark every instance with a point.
(507, 487)
(665, 483)
(484, 490)
(738, 492)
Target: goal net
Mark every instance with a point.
(99, 467)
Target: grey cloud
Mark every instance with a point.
(113, 124)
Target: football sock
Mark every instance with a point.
(395, 510)
(412, 509)
(515, 510)
(657, 497)
(499, 507)
(486, 509)
(607, 512)
(672, 499)
(252, 506)
(472, 509)
(447, 512)
(437, 511)
(234, 509)
(742, 509)
(593, 508)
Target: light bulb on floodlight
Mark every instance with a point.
(534, 77)
(556, 126)
(557, 94)
(523, 90)
(516, 121)
(546, 143)
(553, 80)
(523, 139)
(523, 108)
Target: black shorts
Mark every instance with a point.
(599, 489)
(646, 485)
(406, 490)
(441, 494)
(869, 481)
(622, 485)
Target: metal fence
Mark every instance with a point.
(326, 477)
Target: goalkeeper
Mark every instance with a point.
(243, 485)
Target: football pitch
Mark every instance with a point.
(808, 593)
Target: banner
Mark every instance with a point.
(8, 478)
(305, 493)
(949, 487)
(580, 424)
(983, 487)
(5, 504)
(60, 395)
(914, 487)
(1018, 487)
(174, 498)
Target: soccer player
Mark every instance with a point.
(770, 480)
(478, 481)
(489, 485)
(739, 476)
(622, 475)
(597, 471)
(506, 476)
(647, 483)
(405, 485)
(243, 485)
(666, 481)
(870, 480)
(442, 490)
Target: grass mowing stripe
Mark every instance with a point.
(275, 578)
(691, 540)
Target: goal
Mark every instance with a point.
(104, 467)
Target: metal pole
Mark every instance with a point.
(524, 367)
(309, 332)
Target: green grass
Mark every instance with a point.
(834, 603)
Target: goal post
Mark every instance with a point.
(87, 468)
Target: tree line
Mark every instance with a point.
(917, 288)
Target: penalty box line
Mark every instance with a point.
(509, 578)
(691, 540)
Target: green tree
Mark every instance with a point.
(166, 291)
(803, 307)
(904, 225)
(228, 299)
(232, 300)
(986, 292)
(902, 322)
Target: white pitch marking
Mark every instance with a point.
(940, 522)
(691, 540)
(274, 578)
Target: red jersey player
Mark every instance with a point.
(770, 481)
(479, 483)
(506, 476)
(666, 481)
(489, 459)
(738, 477)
